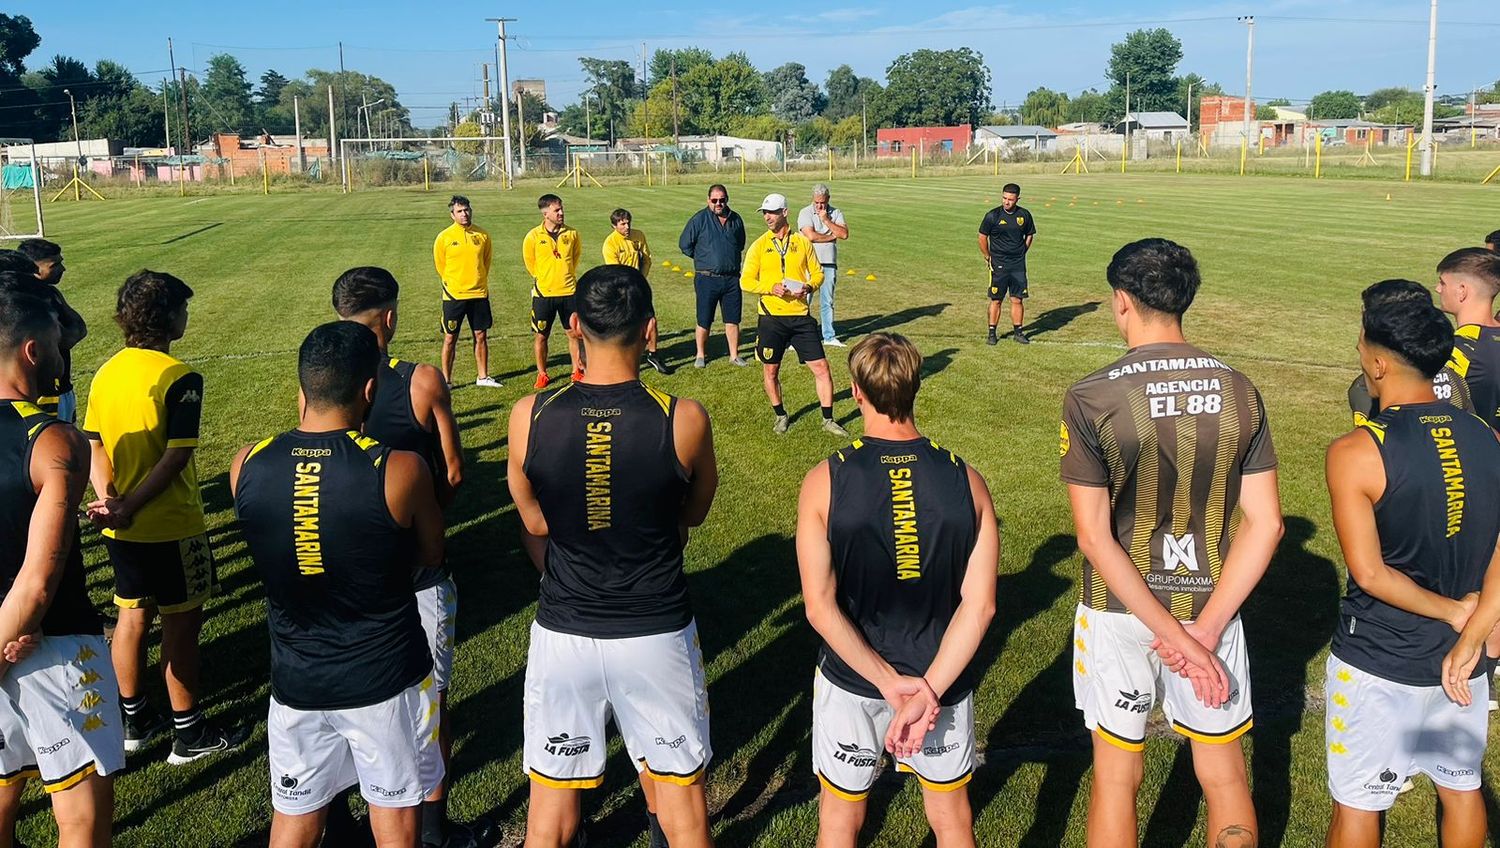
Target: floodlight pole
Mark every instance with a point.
(1249, 22)
(504, 95)
(1431, 91)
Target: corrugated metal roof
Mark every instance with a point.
(1157, 119)
(1018, 131)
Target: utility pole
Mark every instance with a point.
(165, 114)
(864, 126)
(187, 134)
(588, 119)
(1249, 22)
(297, 124)
(1190, 107)
(504, 92)
(341, 90)
(1431, 92)
(333, 141)
(521, 126)
(676, 138)
(1127, 115)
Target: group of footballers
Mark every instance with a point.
(1166, 453)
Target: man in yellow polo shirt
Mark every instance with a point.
(626, 245)
(551, 252)
(462, 255)
(143, 413)
(782, 268)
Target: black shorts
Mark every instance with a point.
(476, 310)
(171, 576)
(545, 309)
(1007, 282)
(775, 333)
(722, 293)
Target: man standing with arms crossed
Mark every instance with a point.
(897, 545)
(462, 254)
(715, 239)
(1416, 504)
(336, 522)
(1158, 450)
(58, 713)
(782, 268)
(1005, 237)
(608, 475)
(823, 225)
(143, 420)
(551, 252)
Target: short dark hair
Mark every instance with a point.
(25, 310)
(145, 304)
(1410, 327)
(335, 362)
(1476, 263)
(548, 200)
(364, 288)
(17, 263)
(1158, 274)
(619, 215)
(1011, 188)
(37, 249)
(613, 302)
(718, 187)
(1493, 238)
(458, 200)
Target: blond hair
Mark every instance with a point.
(887, 367)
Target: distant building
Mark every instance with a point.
(534, 87)
(1153, 126)
(900, 141)
(1027, 138)
(1353, 131)
(245, 155)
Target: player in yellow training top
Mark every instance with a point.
(551, 251)
(144, 407)
(462, 255)
(625, 245)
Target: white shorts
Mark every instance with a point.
(438, 606)
(654, 686)
(1379, 733)
(60, 714)
(848, 736)
(1117, 678)
(389, 749)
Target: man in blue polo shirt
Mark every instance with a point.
(715, 239)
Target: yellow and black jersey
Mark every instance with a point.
(70, 612)
(1169, 430)
(552, 260)
(605, 471)
(1448, 386)
(1476, 358)
(629, 250)
(1437, 519)
(771, 260)
(462, 256)
(345, 630)
(901, 527)
(141, 403)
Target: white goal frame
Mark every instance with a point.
(6, 233)
(346, 177)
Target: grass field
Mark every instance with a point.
(1283, 263)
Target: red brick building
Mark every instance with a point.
(928, 141)
(245, 156)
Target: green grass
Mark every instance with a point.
(1283, 263)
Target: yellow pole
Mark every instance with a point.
(913, 163)
(182, 181)
(1179, 156)
(1432, 142)
(231, 172)
(426, 174)
(1262, 151)
(137, 171)
(996, 154)
(1244, 152)
(742, 170)
(1486, 180)
(76, 195)
(265, 176)
(830, 163)
(1124, 149)
(1411, 143)
(1318, 159)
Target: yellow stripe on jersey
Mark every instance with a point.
(1378, 430)
(1459, 362)
(1468, 331)
(537, 413)
(662, 399)
(259, 446)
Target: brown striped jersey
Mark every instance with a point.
(1170, 431)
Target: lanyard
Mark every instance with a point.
(782, 249)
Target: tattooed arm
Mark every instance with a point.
(59, 470)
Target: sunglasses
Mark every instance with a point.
(718, 200)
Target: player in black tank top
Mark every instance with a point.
(897, 545)
(1414, 495)
(608, 475)
(336, 522)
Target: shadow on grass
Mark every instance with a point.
(1055, 319)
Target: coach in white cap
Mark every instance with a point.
(783, 270)
(823, 224)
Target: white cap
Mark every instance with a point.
(773, 203)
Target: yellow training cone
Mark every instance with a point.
(1388, 196)
(687, 273)
(870, 277)
(849, 273)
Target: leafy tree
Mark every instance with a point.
(794, 98)
(713, 96)
(846, 133)
(1382, 97)
(764, 127)
(653, 118)
(937, 87)
(269, 93)
(813, 133)
(1089, 107)
(1334, 105)
(134, 118)
(849, 94)
(664, 62)
(1201, 88)
(613, 82)
(1265, 112)
(1147, 59)
(224, 102)
(17, 41)
(1045, 107)
(351, 88)
(468, 129)
(1280, 101)
(532, 109)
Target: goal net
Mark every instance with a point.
(449, 162)
(20, 190)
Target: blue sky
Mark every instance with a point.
(432, 54)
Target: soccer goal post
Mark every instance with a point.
(450, 162)
(20, 190)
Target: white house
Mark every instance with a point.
(1026, 138)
